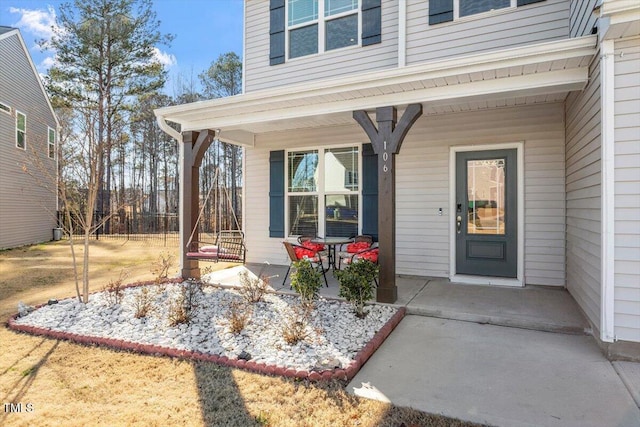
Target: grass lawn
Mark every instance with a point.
(70, 384)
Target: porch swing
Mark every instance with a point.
(228, 245)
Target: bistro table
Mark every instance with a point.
(331, 242)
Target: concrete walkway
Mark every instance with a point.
(494, 355)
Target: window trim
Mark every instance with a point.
(320, 192)
(320, 22)
(6, 108)
(24, 139)
(49, 143)
(456, 11)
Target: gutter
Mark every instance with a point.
(168, 129)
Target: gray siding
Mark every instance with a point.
(627, 190)
(260, 75)
(582, 20)
(583, 178)
(536, 23)
(422, 241)
(27, 199)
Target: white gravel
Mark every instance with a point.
(335, 334)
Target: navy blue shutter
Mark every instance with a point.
(276, 32)
(369, 191)
(526, 2)
(371, 22)
(276, 194)
(440, 11)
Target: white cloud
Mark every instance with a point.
(36, 21)
(164, 58)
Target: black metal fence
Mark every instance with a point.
(155, 228)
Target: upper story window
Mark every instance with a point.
(321, 25)
(52, 143)
(5, 108)
(449, 10)
(21, 130)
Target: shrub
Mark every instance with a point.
(295, 325)
(356, 284)
(160, 268)
(306, 280)
(183, 308)
(114, 291)
(252, 289)
(238, 316)
(143, 302)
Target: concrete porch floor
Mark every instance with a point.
(532, 307)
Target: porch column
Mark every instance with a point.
(386, 141)
(194, 145)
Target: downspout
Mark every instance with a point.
(607, 231)
(402, 33)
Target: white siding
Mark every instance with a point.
(422, 239)
(536, 23)
(583, 177)
(27, 208)
(627, 190)
(582, 20)
(260, 75)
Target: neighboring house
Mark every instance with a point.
(28, 148)
(515, 157)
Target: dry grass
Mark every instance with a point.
(70, 384)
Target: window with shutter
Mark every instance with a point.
(449, 10)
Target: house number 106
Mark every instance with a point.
(385, 157)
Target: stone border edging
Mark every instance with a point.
(343, 374)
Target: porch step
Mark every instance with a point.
(532, 307)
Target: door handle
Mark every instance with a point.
(459, 223)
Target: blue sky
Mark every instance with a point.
(203, 30)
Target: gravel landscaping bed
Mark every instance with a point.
(335, 339)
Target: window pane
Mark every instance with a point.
(471, 7)
(342, 32)
(303, 171)
(302, 11)
(303, 215)
(303, 41)
(52, 152)
(20, 139)
(22, 122)
(486, 192)
(341, 169)
(52, 136)
(333, 7)
(341, 215)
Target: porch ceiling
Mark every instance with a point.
(525, 75)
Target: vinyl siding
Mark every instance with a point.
(627, 190)
(260, 75)
(535, 23)
(422, 238)
(27, 208)
(581, 20)
(583, 178)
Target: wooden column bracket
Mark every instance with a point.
(386, 141)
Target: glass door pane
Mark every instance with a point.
(486, 196)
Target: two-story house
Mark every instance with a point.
(28, 139)
(493, 141)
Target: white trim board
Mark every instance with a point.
(519, 281)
